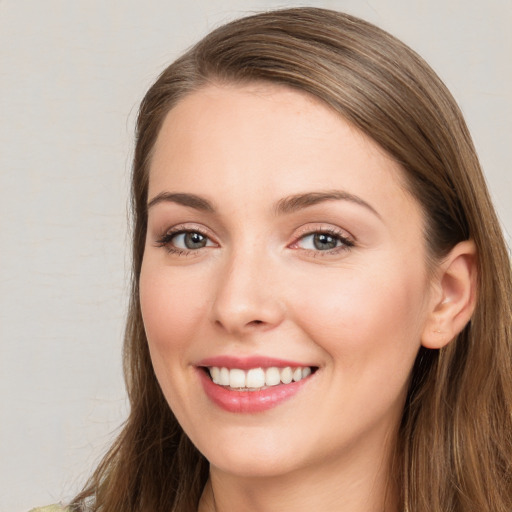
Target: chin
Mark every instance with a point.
(252, 456)
(253, 467)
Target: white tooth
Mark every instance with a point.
(286, 375)
(224, 377)
(236, 378)
(215, 374)
(272, 377)
(306, 371)
(297, 374)
(255, 378)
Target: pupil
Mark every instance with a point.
(322, 241)
(194, 240)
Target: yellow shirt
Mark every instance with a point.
(49, 508)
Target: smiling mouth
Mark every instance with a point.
(257, 379)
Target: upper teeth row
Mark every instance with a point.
(257, 377)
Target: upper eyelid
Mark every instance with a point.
(318, 227)
(187, 228)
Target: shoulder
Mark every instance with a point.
(50, 508)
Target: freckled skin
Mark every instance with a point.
(259, 289)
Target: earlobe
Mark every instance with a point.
(454, 299)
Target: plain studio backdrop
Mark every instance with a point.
(71, 75)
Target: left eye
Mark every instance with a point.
(321, 242)
(190, 240)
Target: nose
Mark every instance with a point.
(247, 298)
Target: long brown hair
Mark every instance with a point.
(455, 441)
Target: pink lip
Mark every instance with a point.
(246, 363)
(248, 401)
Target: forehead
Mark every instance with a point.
(268, 140)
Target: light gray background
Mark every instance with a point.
(71, 75)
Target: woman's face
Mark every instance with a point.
(281, 245)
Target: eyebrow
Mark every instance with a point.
(190, 200)
(299, 201)
(284, 206)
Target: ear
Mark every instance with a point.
(453, 296)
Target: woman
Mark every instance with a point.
(320, 309)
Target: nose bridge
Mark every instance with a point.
(245, 297)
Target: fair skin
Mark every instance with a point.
(278, 231)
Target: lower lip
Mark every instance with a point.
(249, 401)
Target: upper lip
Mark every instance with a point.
(246, 363)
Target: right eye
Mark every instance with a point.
(185, 241)
(190, 240)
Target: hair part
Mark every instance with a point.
(454, 451)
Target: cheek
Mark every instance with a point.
(172, 305)
(365, 318)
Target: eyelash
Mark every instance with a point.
(345, 243)
(166, 240)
